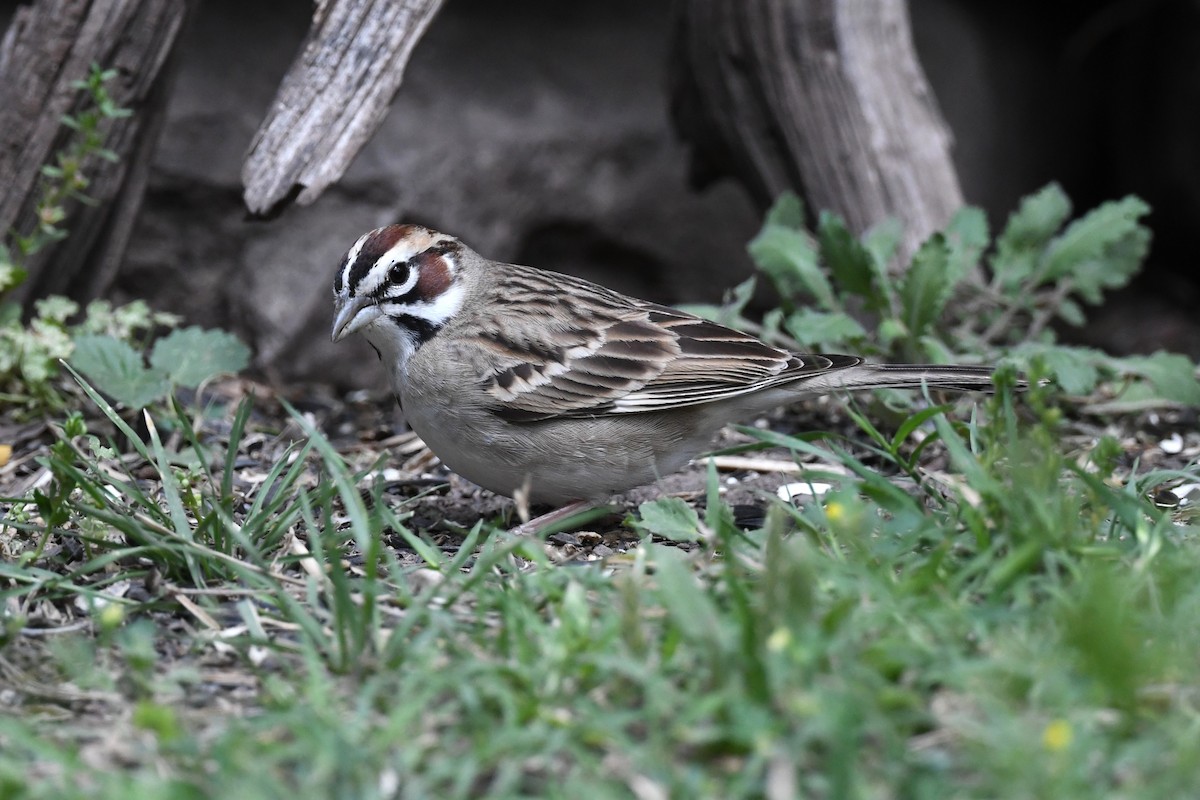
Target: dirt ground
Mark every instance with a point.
(369, 430)
(213, 681)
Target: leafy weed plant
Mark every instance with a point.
(964, 292)
(104, 342)
(66, 179)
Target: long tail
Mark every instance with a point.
(844, 374)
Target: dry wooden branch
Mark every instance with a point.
(824, 97)
(332, 99)
(49, 46)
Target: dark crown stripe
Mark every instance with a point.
(359, 269)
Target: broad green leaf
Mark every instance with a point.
(890, 331)
(882, 240)
(709, 311)
(1073, 368)
(671, 518)
(10, 274)
(788, 212)
(1101, 250)
(10, 314)
(935, 351)
(190, 356)
(1172, 375)
(789, 258)
(1027, 233)
(1120, 262)
(1136, 396)
(718, 516)
(730, 311)
(967, 235)
(9, 353)
(1071, 312)
(787, 254)
(1037, 219)
(810, 327)
(116, 369)
(848, 260)
(40, 348)
(55, 308)
(926, 286)
(739, 296)
(772, 324)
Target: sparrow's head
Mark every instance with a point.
(398, 286)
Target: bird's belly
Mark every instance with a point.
(560, 461)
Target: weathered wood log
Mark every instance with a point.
(49, 46)
(824, 97)
(332, 99)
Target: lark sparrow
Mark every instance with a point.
(519, 377)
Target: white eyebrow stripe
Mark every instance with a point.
(351, 257)
(399, 253)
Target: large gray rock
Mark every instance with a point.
(535, 130)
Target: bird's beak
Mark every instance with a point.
(352, 314)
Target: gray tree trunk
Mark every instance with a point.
(824, 97)
(333, 98)
(49, 46)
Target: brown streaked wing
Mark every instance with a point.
(589, 347)
(595, 352)
(715, 363)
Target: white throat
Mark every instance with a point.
(396, 346)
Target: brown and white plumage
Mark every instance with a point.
(516, 376)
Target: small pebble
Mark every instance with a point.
(791, 492)
(1172, 446)
(1185, 490)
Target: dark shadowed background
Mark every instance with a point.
(538, 131)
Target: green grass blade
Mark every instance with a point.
(106, 408)
(236, 432)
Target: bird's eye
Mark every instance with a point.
(398, 274)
